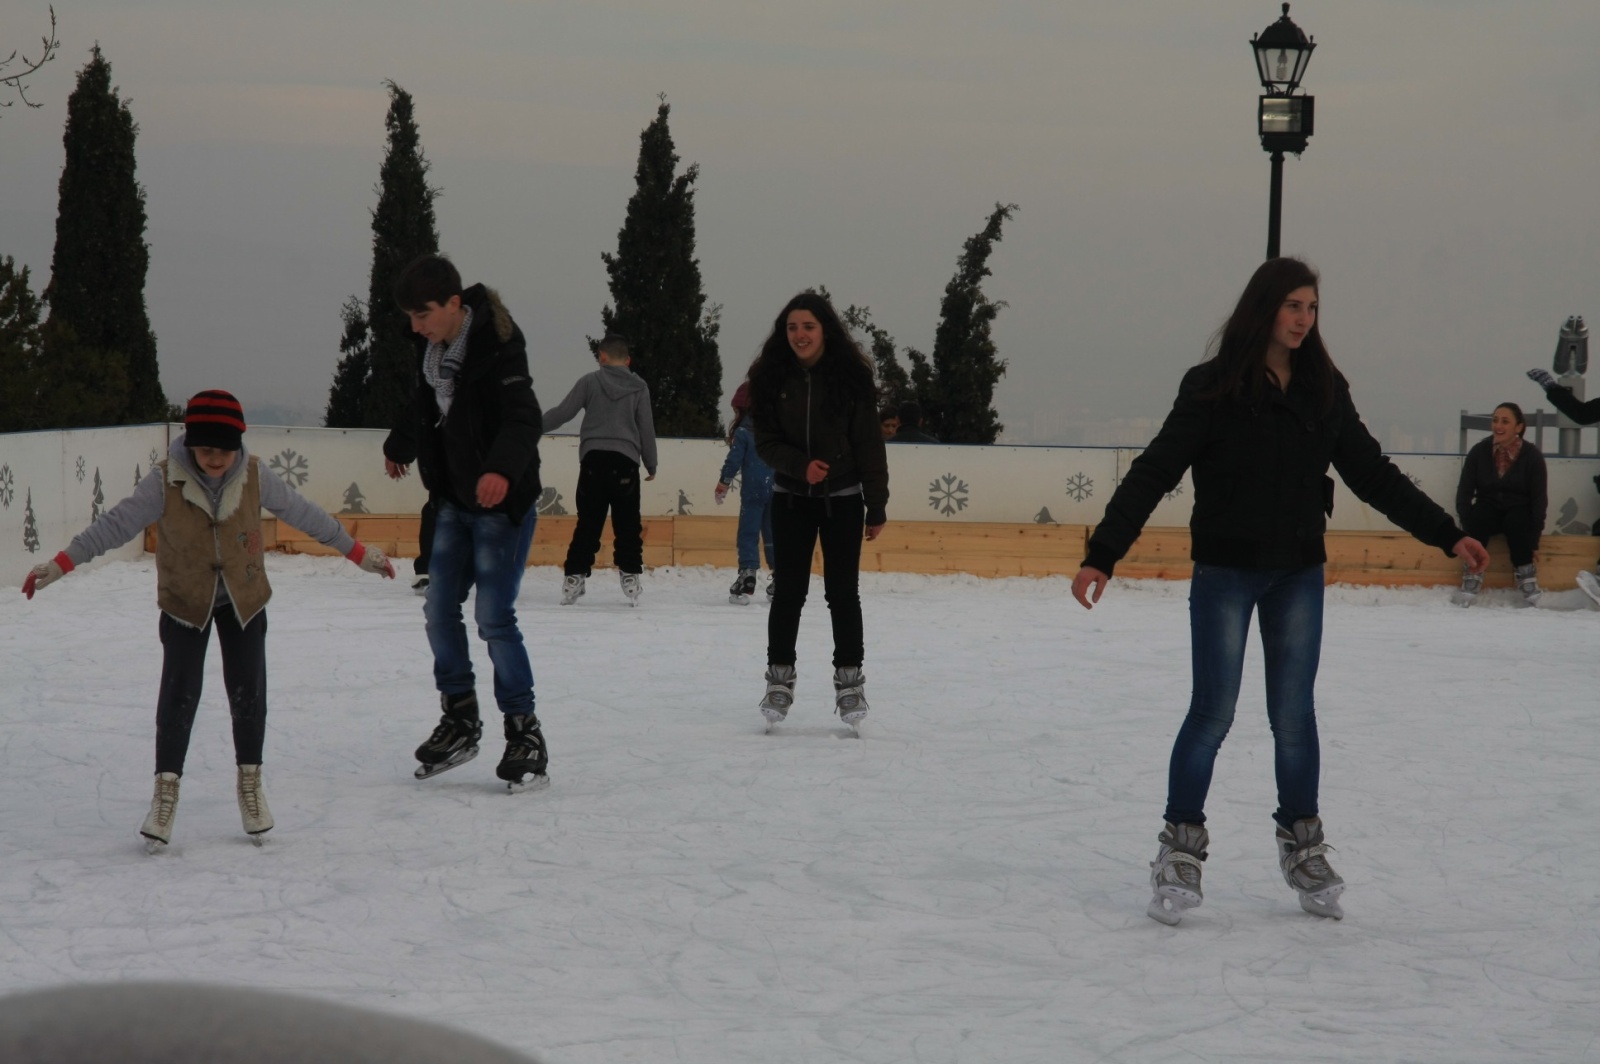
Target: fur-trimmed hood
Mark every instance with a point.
(498, 314)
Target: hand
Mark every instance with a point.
(395, 469)
(1542, 377)
(874, 531)
(1089, 577)
(492, 488)
(44, 575)
(720, 492)
(817, 471)
(372, 560)
(651, 476)
(1471, 551)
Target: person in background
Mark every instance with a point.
(755, 499)
(1503, 490)
(889, 421)
(911, 426)
(206, 500)
(1584, 413)
(1259, 423)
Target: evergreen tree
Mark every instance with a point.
(19, 348)
(376, 376)
(658, 305)
(964, 365)
(894, 385)
(30, 526)
(99, 355)
(99, 498)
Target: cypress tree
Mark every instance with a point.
(658, 305)
(960, 387)
(99, 355)
(376, 376)
(19, 348)
(894, 386)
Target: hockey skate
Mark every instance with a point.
(1467, 593)
(632, 587)
(1589, 584)
(743, 587)
(572, 589)
(253, 803)
(157, 828)
(455, 741)
(780, 694)
(419, 586)
(1303, 857)
(1527, 578)
(1175, 873)
(849, 694)
(526, 758)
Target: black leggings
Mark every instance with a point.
(244, 672)
(1515, 522)
(797, 523)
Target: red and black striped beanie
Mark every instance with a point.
(214, 418)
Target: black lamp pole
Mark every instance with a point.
(1283, 119)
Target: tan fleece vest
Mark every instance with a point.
(193, 551)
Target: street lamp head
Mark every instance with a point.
(1282, 52)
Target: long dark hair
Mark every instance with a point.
(843, 370)
(1239, 348)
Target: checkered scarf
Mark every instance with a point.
(441, 363)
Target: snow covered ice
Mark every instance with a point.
(967, 882)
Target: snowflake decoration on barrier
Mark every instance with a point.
(1175, 492)
(549, 504)
(80, 469)
(292, 467)
(1079, 487)
(8, 486)
(1415, 480)
(155, 456)
(948, 494)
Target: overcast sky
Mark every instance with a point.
(1450, 196)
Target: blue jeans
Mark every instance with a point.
(1221, 600)
(486, 550)
(755, 519)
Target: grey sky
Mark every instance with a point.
(1449, 196)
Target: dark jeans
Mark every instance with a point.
(430, 520)
(797, 524)
(1514, 522)
(607, 480)
(183, 666)
(1289, 604)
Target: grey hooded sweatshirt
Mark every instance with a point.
(616, 415)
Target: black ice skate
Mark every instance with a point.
(743, 588)
(526, 758)
(455, 740)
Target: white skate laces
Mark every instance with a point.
(253, 811)
(1175, 873)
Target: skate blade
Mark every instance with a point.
(773, 716)
(1169, 908)
(854, 717)
(739, 600)
(1324, 904)
(153, 846)
(1462, 599)
(259, 839)
(527, 783)
(429, 771)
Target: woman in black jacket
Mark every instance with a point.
(815, 409)
(1259, 423)
(1504, 489)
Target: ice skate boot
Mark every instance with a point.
(419, 586)
(632, 587)
(1589, 584)
(743, 587)
(1527, 578)
(1302, 856)
(1467, 593)
(526, 758)
(253, 803)
(157, 829)
(572, 588)
(455, 740)
(1175, 873)
(772, 588)
(849, 694)
(780, 694)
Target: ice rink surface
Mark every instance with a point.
(966, 882)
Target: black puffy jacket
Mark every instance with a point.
(494, 422)
(1262, 494)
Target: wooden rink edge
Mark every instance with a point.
(1390, 559)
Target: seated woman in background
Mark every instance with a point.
(1503, 490)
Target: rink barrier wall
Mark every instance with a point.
(996, 510)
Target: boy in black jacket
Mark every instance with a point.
(474, 433)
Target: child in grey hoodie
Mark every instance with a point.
(206, 501)
(617, 436)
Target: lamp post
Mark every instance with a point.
(1283, 119)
